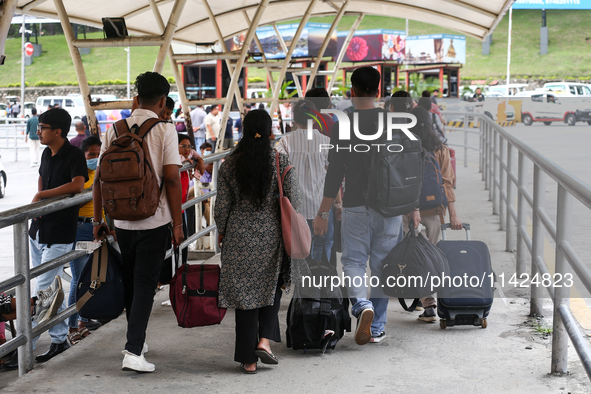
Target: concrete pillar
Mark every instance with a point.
(544, 40)
(486, 45)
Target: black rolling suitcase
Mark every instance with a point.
(467, 303)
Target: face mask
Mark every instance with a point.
(206, 153)
(91, 164)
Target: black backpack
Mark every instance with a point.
(433, 192)
(101, 293)
(395, 178)
(318, 320)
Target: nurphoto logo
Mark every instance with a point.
(344, 131)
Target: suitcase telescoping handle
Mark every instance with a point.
(445, 226)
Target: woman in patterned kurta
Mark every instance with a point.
(254, 263)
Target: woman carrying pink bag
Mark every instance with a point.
(255, 264)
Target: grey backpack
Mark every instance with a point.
(395, 178)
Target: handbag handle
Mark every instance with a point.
(281, 178)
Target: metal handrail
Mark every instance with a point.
(19, 217)
(496, 165)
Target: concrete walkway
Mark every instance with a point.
(510, 356)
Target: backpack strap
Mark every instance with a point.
(147, 126)
(98, 275)
(122, 126)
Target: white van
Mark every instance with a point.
(569, 89)
(74, 105)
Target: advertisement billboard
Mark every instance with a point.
(308, 44)
(436, 48)
(378, 44)
(552, 5)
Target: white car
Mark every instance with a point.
(547, 108)
(72, 104)
(3, 110)
(28, 107)
(568, 89)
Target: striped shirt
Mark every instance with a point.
(310, 164)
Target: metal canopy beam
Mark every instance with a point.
(8, 8)
(206, 56)
(296, 80)
(238, 68)
(228, 62)
(264, 58)
(78, 66)
(171, 27)
(337, 64)
(177, 77)
(141, 41)
(324, 45)
(289, 53)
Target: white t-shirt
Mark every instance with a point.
(310, 164)
(162, 143)
(214, 122)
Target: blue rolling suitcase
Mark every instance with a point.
(467, 303)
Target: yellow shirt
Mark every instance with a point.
(88, 210)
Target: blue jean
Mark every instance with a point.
(42, 253)
(198, 142)
(366, 233)
(318, 241)
(84, 233)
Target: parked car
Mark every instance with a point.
(547, 108)
(514, 88)
(2, 180)
(28, 107)
(72, 104)
(3, 110)
(569, 89)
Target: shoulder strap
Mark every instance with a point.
(99, 257)
(122, 126)
(279, 177)
(410, 308)
(147, 126)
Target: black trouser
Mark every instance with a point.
(253, 324)
(144, 250)
(190, 213)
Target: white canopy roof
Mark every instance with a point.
(476, 18)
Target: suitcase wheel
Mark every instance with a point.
(483, 323)
(443, 324)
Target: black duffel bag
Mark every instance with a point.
(317, 318)
(101, 293)
(409, 267)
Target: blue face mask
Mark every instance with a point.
(91, 164)
(206, 153)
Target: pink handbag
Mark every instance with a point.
(296, 232)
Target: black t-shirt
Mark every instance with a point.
(354, 166)
(59, 227)
(229, 129)
(478, 97)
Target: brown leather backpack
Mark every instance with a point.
(128, 184)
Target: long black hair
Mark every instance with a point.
(254, 170)
(424, 130)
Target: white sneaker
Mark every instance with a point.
(145, 348)
(131, 362)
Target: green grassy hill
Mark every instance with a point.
(55, 65)
(569, 51)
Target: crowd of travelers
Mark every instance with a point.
(326, 187)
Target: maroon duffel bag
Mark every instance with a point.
(194, 295)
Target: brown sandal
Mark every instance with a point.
(79, 335)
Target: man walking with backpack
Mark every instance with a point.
(366, 232)
(143, 218)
